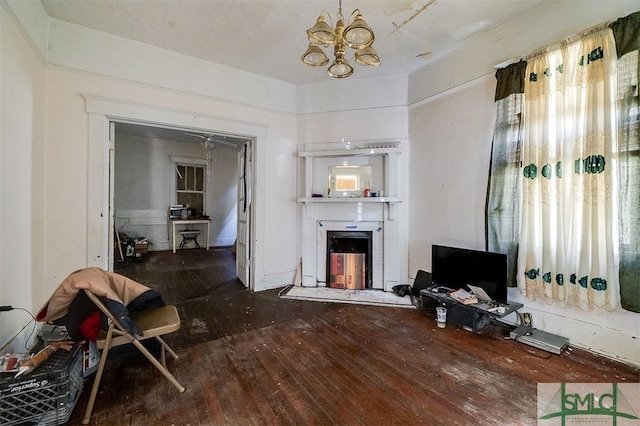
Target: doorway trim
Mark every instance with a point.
(102, 111)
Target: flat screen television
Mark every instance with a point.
(454, 268)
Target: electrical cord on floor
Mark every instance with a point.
(7, 308)
(502, 324)
(285, 290)
(507, 325)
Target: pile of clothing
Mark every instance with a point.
(69, 306)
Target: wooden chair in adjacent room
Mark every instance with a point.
(154, 323)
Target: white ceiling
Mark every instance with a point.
(267, 37)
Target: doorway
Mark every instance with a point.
(149, 167)
(101, 112)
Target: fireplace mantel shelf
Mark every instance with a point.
(350, 200)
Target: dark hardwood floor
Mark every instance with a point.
(258, 359)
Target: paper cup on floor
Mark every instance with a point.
(441, 314)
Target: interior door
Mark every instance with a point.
(243, 248)
(115, 249)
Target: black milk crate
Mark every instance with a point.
(47, 395)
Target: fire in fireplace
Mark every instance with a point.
(349, 257)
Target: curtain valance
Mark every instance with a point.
(627, 33)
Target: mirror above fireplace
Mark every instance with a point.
(348, 180)
(366, 172)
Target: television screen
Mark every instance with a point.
(456, 267)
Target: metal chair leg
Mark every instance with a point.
(96, 381)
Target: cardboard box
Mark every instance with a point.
(347, 271)
(142, 248)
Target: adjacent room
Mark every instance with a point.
(355, 212)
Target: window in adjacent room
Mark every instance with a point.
(190, 185)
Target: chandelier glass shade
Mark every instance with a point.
(356, 35)
(314, 56)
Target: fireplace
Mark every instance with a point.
(353, 239)
(349, 259)
(351, 245)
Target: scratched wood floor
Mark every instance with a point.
(258, 359)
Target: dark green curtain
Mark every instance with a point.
(502, 214)
(627, 35)
(510, 80)
(626, 31)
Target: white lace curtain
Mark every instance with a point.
(568, 236)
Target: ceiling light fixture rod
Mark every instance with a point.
(356, 35)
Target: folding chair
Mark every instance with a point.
(153, 323)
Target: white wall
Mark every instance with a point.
(450, 138)
(144, 182)
(352, 95)
(74, 46)
(23, 92)
(222, 196)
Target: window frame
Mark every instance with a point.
(189, 162)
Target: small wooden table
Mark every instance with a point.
(175, 222)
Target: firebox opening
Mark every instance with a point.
(349, 259)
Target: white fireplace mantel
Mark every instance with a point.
(374, 200)
(386, 202)
(321, 213)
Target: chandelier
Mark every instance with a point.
(356, 35)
